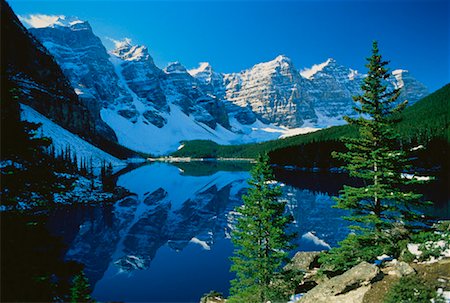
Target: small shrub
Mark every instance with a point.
(407, 256)
(412, 289)
(357, 248)
(284, 285)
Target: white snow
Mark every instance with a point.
(298, 131)
(121, 43)
(308, 73)
(398, 75)
(353, 74)
(203, 244)
(445, 294)
(417, 148)
(62, 138)
(419, 178)
(202, 67)
(128, 52)
(42, 20)
(441, 244)
(383, 257)
(39, 20)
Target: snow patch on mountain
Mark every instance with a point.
(308, 73)
(204, 66)
(398, 73)
(62, 138)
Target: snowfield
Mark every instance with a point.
(148, 138)
(62, 138)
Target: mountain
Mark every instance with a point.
(150, 109)
(155, 110)
(273, 91)
(318, 96)
(30, 68)
(85, 62)
(42, 88)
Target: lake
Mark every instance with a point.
(170, 240)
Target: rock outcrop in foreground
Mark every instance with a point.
(351, 286)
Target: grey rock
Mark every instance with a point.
(399, 269)
(155, 118)
(273, 92)
(131, 114)
(142, 76)
(348, 287)
(303, 260)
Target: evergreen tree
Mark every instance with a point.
(375, 157)
(81, 290)
(260, 238)
(28, 169)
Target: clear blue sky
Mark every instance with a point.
(234, 35)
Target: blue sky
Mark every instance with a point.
(234, 35)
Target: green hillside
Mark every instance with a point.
(421, 122)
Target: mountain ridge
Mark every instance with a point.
(261, 103)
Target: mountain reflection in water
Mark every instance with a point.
(170, 240)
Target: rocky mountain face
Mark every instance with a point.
(319, 96)
(154, 110)
(273, 91)
(84, 60)
(28, 67)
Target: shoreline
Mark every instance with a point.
(189, 159)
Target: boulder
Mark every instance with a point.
(399, 269)
(348, 287)
(303, 260)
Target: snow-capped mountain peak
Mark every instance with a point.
(41, 21)
(175, 68)
(129, 52)
(398, 75)
(283, 59)
(280, 61)
(68, 21)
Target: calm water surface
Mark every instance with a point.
(170, 240)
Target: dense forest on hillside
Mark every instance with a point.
(424, 123)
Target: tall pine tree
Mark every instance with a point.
(375, 156)
(260, 238)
